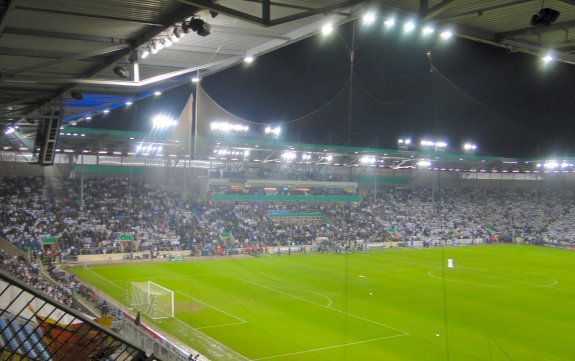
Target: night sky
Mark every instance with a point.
(510, 104)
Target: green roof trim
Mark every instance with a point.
(238, 198)
(381, 180)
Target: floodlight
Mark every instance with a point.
(327, 29)
(369, 17)
(228, 127)
(367, 159)
(409, 26)
(276, 131)
(196, 79)
(129, 102)
(248, 59)
(427, 143)
(423, 163)
(122, 72)
(9, 130)
(551, 165)
(329, 157)
(288, 156)
(157, 93)
(441, 144)
(446, 35)
(88, 118)
(428, 30)
(144, 53)
(545, 17)
(389, 22)
(196, 25)
(106, 111)
(548, 58)
(469, 146)
(162, 121)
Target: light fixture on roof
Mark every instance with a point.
(369, 17)
(409, 26)
(196, 79)
(167, 43)
(88, 118)
(122, 72)
(196, 25)
(389, 22)
(327, 29)
(10, 129)
(249, 59)
(106, 111)
(144, 53)
(446, 35)
(129, 102)
(157, 93)
(545, 17)
(548, 58)
(428, 30)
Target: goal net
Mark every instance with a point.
(151, 299)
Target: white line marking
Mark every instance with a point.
(327, 347)
(527, 284)
(329, 300)
(320, 305)
(215, 308)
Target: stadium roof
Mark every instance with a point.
(58, 54)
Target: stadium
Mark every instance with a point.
(292, 180)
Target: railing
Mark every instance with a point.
(34, 327)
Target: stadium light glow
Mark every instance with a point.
(157, 93)
(428, 30)
(288, 156)
(275, 131)
(548, 58)
(9, 130)
(423, 163)
(162, 121)
(228, 127)
(249, 59)
(409, 26)
(469, 146)
(367, 159)
(389, 22)
(196, 79)
(427, 143)
(446, 35)
(106, 111)
(306, 156)
(88, 118)
(369, 17)
(441, 144)
(129, 102)
(327, 29)
(329, 157)
(551, 165)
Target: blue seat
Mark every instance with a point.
(8, 334)
(25, 346)
(38, 345)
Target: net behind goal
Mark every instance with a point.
(151, 299)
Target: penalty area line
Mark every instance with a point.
(241, 321)
(329, 347)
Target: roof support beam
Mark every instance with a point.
(266, 11)
(484, 10)
(437, 9)
(67, 36)
(536, 30)
(70, 58)
(7, 7)
(74, 13)
(209, 5)
(309, 13)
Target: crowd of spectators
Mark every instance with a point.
(89, 217)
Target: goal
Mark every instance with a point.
(151, 299)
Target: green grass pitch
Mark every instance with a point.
(509, 303)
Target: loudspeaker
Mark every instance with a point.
(47, 138)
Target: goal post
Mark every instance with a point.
(151, 299)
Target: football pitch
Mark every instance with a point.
(509, 303)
